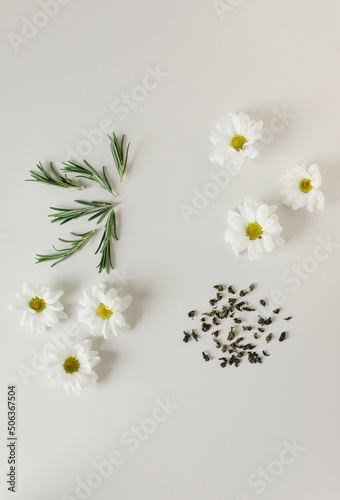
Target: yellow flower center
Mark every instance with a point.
(237, 142)
(71, 365)
(253, 230)
(103, 312)
(38, 305)
(305, 185)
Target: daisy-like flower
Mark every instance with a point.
(71, 364)
(234, 139)
(103, 310)
(40, 307)
(255, 228)
(302, 187)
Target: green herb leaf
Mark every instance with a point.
(89, 173)
(96, 209)
(65, 253)
(119, 157)
(55, 180)
(105, 243)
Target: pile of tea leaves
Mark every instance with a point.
(229, 322)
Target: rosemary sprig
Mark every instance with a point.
(117, 151)
(105, 243)
(89, 173)
(65, 253)
(97, 208)
(57, 180)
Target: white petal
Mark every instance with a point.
(86, 315)
(30, 290)
(268, 243)
(236, 221)
(254, 252)
(111, 294)
(320, 200)
(124, 303)
(262, 214)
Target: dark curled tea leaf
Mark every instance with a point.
(206, 327)
(215, 322)
(205, 356)
(224, 348)
(232, 301)
(194, 335)
(250, 346)
(247, 328)
(219, 296)
(212, 302)
(191, 314)
(224, 362)
(215, 333)
(219, 288)
(289, 318)
(269, 337)
(186, 337)
(248, 309)
(268, 321)
(211, 313)
(276, 311)
(253, 357)
(243, 293)
(251, 287)
(265, 353)
(283, 336)
(218, 343)
(256, 336)
(239, 305)
(262, 302)
(262, 330)
(237, 320)
(231, 334)
(231, 290)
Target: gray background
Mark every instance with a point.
(255, 57)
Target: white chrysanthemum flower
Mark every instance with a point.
(40, 307)
(234, 139)
(255, 228)
(302, 187)
(71, 364)
(103, 310)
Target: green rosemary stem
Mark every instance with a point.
(65, 253)
(105, 243)
(54, 180)
(99, 209)
(120, 158)
(89, 173)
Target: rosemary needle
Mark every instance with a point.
(105, 243)
(93, 208)
(117, 151)
(57, 180)
(65, 253)
(89, 173)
